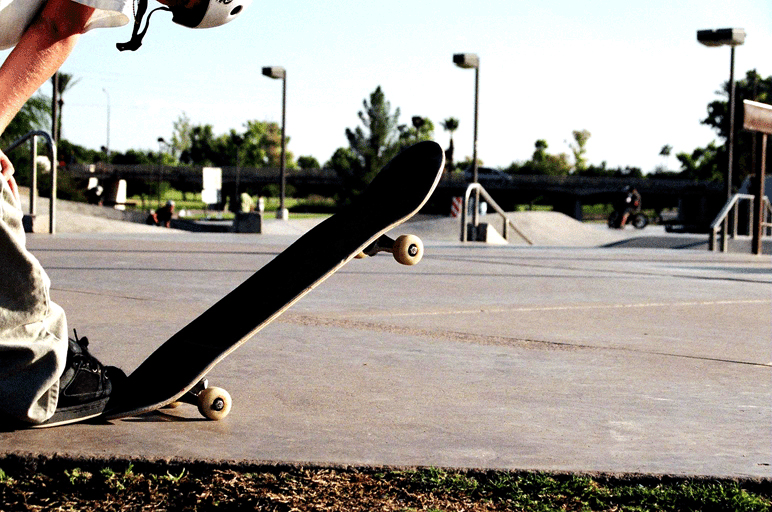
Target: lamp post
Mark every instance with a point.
(107, 143)
(731, 37)
(161, 145)
(472, 61)
(55, 108)
(278, 72)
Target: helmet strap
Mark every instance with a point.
(136, 36)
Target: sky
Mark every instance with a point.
(631, 73)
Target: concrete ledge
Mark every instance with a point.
(248, 222)
(484, 232)
(201, 226)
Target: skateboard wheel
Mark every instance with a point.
(172, 405)
(408, 249)
(361, 255)
(214, 403)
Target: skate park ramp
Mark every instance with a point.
(550, 229)
(74, 217)
(542, 228)
(553, 229)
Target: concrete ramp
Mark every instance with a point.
(555, 229)
(542, 228)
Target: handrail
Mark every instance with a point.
(769, 212)
(476, 187)
(732, 204)
(34, 177)
(727, 207)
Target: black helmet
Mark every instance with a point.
(208, 14)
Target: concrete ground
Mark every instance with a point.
(548, 358)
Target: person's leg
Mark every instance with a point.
(33, 330)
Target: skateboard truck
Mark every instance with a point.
(407, 249)
(213, 403)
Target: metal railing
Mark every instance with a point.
(33, 186)
(480, 192)
(732, 207)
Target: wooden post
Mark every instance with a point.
(758, 192)
(757, 117)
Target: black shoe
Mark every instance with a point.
(85, 386)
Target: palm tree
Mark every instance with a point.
(665, 154)
(34, 115)
(66, 83)
(450, 124)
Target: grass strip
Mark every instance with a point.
(30, 483)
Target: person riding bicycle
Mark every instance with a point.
(628, 203)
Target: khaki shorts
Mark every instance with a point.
(33, 330)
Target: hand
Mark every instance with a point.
(6, 167)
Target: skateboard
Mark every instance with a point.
(176, 371)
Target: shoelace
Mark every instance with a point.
(87, 361)
(82, 342)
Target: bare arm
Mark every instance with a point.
(41, 51)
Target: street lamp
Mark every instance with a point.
(107, 143)
(472, 61)
(278, 72)
(55, 108)
(161, 145)
(726, 37)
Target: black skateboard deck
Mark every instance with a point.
(178, 366)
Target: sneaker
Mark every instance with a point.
(85, 386)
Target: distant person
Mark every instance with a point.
(94, 195)
(629, 202)
(247, 204)
(163, 217)
(44, 378)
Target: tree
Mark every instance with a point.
(308, 162)
(543, 163)
(349, 168)
(450, 125)
(203, 148)
(258, 145)
(372, 145)
(34, 115)
(540, 151)
(181, 138)
(701, 164)
(752, 87)
(665, 152)
(579, 149)
(270, 142)
(422, 129)
(375, 142)
(70, 153)
(135, 157)
(66, 83)
(262, 145)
